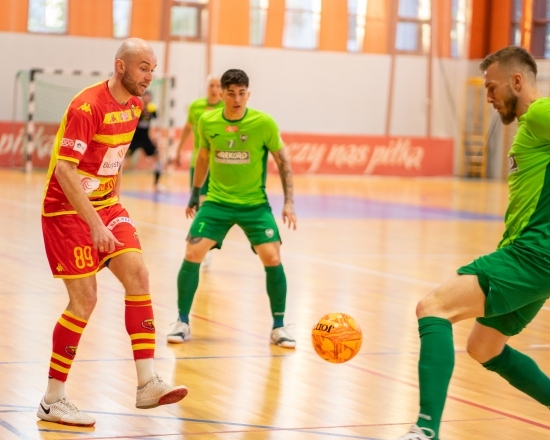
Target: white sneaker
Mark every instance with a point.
(63, 412)
(156, 392)
(207, 260)
(180, 333)
(418, 433)
(281, 337)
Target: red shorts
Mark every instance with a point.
(69, 244)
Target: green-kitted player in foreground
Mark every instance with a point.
(234, 146)
(505, 289)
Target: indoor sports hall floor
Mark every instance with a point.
(367, 246)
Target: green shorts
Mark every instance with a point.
(516, 282)
(204, 187)
(213, 221)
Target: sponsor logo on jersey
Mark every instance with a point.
(269, 233)
(70, 350)
(231, 128)
(136, 237)
(512, 164)
(124, 116)
(117, 221)
(243, 137)
(232, 157)
(85, 108)
(67, 142)
(89, 184)
(59, 268)
(148, 324)
(112, 160)
(80, 146)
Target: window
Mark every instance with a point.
(517, 12)
(413, 26)
(258, 17)
(48, 16)
(122, 10)
(357, 15)
(188, 19)
(540, 38)
(458, 27)
(302, 22)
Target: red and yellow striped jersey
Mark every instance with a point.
(95, 133)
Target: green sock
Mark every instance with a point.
(188, 281)
(435, 367)
(522, 373)
(275, 281)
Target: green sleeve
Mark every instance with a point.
(190, 114)
(539, 121)
(203, 140)
(273, 137)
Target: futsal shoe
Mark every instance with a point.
(64, 412)
(180, 333)
(280, 336)
(418, 433)
(156, 392)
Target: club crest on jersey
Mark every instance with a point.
(269, 233)
(231, 129)
(512, 164)
(148, 324)
(243, 137)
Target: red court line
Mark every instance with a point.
(458, 399)
(374, 373)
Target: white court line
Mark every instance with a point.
(362, 270)
(315, 260)
(287, 254)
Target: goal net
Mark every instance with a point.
(45, 95)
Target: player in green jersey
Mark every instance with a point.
(196, 109)
(504, 290)
(234, 146)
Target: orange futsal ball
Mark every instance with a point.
(336, 337)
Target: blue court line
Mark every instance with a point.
(342, 207)
(315, 431)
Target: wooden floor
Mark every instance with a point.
(370, 247)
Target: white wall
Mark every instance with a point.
(306, 91)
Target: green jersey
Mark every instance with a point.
(196, 109)
(528, 215)
(238, 155)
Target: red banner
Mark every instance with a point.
(308, 153)
(372, 155)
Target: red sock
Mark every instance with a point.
(140, 325)
(66, 335)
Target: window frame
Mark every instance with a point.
(201, 22)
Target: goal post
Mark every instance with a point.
(46, 94)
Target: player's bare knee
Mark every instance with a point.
(426, 307)
(83, 304)
(271, 260)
